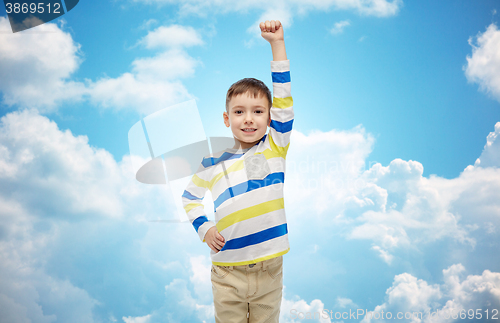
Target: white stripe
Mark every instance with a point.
(279, 138)
(249, 199)
(280, 66)
(196, 212)
(282, 115)
(240, 176)
(281, 90)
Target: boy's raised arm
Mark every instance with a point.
(282, 114)
(272, 31)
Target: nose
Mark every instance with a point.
(248, 118)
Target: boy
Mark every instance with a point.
(250, 235)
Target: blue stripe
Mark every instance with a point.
(227, 194)
(253, 184)
(207, 162)
(255, 238)
(281, 77)
(190, 196)
(199, 221)
(282, 126)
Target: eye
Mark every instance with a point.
(259, 111)
(238, 111)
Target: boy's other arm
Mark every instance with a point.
(192, 201)
(214, 239)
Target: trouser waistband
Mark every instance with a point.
(258, 265)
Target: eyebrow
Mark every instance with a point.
(242, 107)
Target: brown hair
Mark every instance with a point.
(253, 86)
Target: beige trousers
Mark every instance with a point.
(249, 293)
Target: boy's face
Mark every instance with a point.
(248, 118)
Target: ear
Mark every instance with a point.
(226, 119)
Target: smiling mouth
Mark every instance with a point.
(249, 130)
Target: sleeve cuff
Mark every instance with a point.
(202, 230)
(280, 66)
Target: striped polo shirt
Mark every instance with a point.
(247, 188)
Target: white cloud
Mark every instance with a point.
(298, 310)
(378, 8)
(387, 257)
(57, 191)
(27, 292)
(140, 319)
(394, 207)
(146, 25)
(39, 160)
(35, 68)
(322, 169)
(483, 67)
(414, 210)
(30, 295)
(154, 82)
(422, 302)
(70, 220)
(35, 71)
(295, 310)
(141, 92)
(47, 173)
(277, 12)
(200, 278)
(172, 36)
(169, 65)
(343, 302)
(182, 302)
(490, 157)
(339, 27)
(410, 210)
(406, 295)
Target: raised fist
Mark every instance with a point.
(271, 30)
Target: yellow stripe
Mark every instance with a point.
(234, 168)
(282, 150)
(282, 103)
(199, 182)
(191, 206)
(250, 212)
(269, 153)
(250, 261)
(239, 165)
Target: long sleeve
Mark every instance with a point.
(282, 109)
(192, 201)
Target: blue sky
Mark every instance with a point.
(401, 99)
